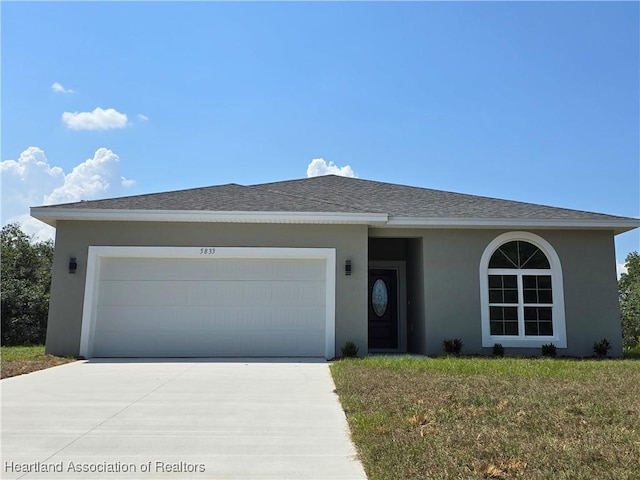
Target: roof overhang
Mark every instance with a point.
(381, 220)
(618, 225)
(52, 215)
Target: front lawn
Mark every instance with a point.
(18, 360)
(503, 418)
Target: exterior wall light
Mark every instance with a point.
(73, 265)
(347, 267)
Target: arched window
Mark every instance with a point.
(522, 294)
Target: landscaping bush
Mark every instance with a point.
(601, 348)
(350, 350)
(549, 350)
(452, 346)
(498, 350)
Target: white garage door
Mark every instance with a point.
(207, 307)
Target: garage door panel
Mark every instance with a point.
(177, 319)
(173, 293)
(151, 307)
(191, 269)
(175, 332)
(169, 293)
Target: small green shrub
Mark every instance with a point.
(350, 350)
(498, 350)
(549, 350)
(601, 348)
(632, 352)
(452, 345)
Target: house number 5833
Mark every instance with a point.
(207, 251)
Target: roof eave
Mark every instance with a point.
(52, 215)
(618, 225)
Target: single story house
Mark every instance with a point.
(298, 268)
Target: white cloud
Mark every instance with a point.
(142, 117)
(26, 181)
(32, 181)
(58, 88)
(94, 178)
(318, 167)
(99, 119)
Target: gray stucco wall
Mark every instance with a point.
(415, 296)
(442, 271)
(74, 238)
(451, 288)
(590, 290)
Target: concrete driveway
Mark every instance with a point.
(211, 419)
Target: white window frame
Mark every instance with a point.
(559, 337)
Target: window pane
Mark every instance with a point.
(503, 289)
(495, 296)
(497, 328)
(511, 328)
(530, 296)
(510, 251)
(544, 281)
(544, 313)
(545, 296)
(503, 320)
(546, 328)
(510, 296)
(526, 250)
(538, 260)
(530, 313)
(503, 328)
(518, 254)
(537, 321)
(495, 313)
(510, 313)
(537, 289)
(500, 260)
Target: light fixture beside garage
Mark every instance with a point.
(73, 265)
(347, 267)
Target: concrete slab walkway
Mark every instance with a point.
(201, 419)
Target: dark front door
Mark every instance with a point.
(383, 308)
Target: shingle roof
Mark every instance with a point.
(405, 201)
(335, 194)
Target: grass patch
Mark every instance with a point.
(502, 418)
(19, 360)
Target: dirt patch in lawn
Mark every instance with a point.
(20, 360)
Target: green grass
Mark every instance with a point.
(19, 360)
(13, 354)
(474, 418)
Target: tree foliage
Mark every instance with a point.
(26, 282)
(629, 292)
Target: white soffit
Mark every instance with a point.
(50, 216)
(618, 225)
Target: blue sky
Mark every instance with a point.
(537, 102)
